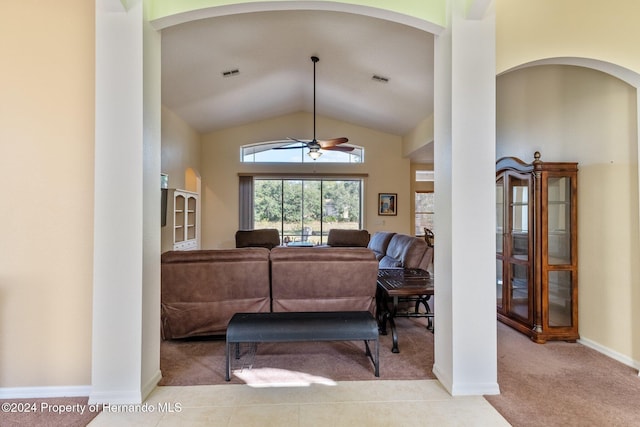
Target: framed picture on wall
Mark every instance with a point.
(387, 203)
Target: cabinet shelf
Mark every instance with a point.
(537, 272)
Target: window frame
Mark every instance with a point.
(249, 151)
(302, 178)
(416, 212)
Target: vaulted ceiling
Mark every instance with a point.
(232, 70)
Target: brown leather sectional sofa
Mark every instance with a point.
(201, 290)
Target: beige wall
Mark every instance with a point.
(578, 114)
(531, 30)
(387, 171)
(180, 151)
(46, 163)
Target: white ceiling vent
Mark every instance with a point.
(231, 73)
(380, 79)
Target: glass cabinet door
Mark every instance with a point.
(519, 191)
(500, 227)
(519, 291)
(520, 303)
(560, 300)
(559, 251)
(499, 215)
(559, 220)
(499, 283)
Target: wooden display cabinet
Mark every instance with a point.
(536, 247)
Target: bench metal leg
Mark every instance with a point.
(374, 358)
(227, 374)
(377, 361)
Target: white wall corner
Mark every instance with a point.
(477, 9)
(419, 137)
(112, 6)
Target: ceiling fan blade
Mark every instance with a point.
(332, 142)
(289, 148)
(299, 140)
(338, 148)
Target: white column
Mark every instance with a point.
(151, 245)
(465, 327)
(123, 370)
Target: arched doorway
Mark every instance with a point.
(135, 334)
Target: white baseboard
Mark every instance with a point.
(444, 379)
(151, 384)
(469, 389)
(611, 353)
(120, 397)
(115, 397)
(44, 392)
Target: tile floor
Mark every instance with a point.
(352, 403)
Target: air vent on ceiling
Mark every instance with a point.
(380, 79)
(231, 73)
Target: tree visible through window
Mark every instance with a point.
(304, 210)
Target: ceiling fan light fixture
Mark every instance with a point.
(314, 153)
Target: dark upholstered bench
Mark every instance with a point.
(302, 326)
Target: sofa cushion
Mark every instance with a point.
(323, 279)
(201, 290)
(348, 238)
(389, 262)
(379, 243)
(261, 238)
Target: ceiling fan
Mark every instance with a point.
(314, 145)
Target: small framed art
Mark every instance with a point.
(387, 203)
